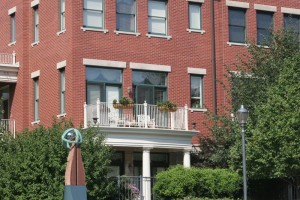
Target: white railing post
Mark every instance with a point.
(186, 117)
(14, 58)
(85, 115)
(14, 127)
(172, 120)
(98, 110)
(145, 114)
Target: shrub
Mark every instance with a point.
(179, 182)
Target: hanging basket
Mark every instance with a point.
(167, 109)
(121, 106)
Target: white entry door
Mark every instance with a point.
(112, 92)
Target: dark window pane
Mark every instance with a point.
(125, 22)
(149, 78)
(125, 6)
(292, 23)
(263, 36)
(195, 86)
(237, 34)
(264, 20)
(101, 75)
(237, 17)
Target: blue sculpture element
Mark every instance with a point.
(71, 136)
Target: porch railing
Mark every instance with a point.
(8, 126)
(140, 115)
(8, 59)
(134, 187)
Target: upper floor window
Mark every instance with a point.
(62, 91)
(36, 23)
(13, 27)
(62, 15)
(195, 16)
(149, 86)
(196, 91)
(103, 83)
(126, 15)
(93, 14)
(157, 17)
(237, 25)
(264, 21)
(36, 99)
(292, 23)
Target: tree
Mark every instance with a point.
(32, 166)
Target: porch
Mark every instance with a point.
(8, 126)
(8, 68)
(103, 114)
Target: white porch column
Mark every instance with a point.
(146, 174)
(98, 110)
(187, 158)
(85, 115)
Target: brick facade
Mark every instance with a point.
(183, 50)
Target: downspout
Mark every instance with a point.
(213, 56)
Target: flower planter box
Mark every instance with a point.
(121, 106)
(166, 109)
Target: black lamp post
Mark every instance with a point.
(242, 116)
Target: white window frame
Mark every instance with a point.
(35, 25)
(245, 26)
(135, 19)
(62, 15)
(36, 99)
(62, 77)
(191, 29)
(87, 27)
(12, 29)
(153, 34)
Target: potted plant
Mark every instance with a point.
(124, 103)
(167, 106)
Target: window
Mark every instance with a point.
(196, 91)
(62, 15)
(12, 28)
(157, 17)
(36, 99)
(237, 25)
(103, 83)
(93, 14)
(62, 91)
(126, 15)
(292, 23)
(36, 24)
(264, 21)
(149, 86)
(195, 16)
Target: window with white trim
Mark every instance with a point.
(36, 23)
(292, 23)
(62, 90)
(196, 91)
(264, 22)
(237, 25)
(36, 98)
(157, 17)
(93, 14)
(62, 15)
(12, 27)
(195, 16)
(126, 15)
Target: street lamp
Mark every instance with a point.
(242, 116)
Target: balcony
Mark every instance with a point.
(8, 68)
(145, 116)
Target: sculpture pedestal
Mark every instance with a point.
(75, 192)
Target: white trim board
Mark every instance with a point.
(150, 67)
(104, 63)
(237, 4)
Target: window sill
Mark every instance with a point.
(237, 44)
(195, 30)
(263, 46)
(61, 32)
(168, 37)
(12, 43)
(63, 115)
(127, 33)
(35, 43)
(35, 122)
(198, 109)
(94, 29)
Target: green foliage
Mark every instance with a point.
(167, 106)
(179, 182)
(32, 166)
(124, 101)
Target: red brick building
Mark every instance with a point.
(57, 55)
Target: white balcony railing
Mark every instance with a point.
(140, 115)
(8, 126)
(8, 59)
